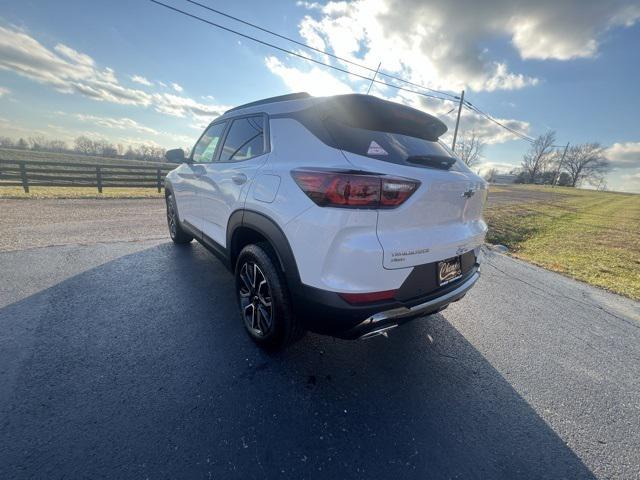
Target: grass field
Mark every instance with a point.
(591, 236)
(32, 156)
(79, 192)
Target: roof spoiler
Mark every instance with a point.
(279, 98)
(372, 113)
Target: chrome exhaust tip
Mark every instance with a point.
(379, 331)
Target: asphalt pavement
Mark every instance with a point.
(127, 359)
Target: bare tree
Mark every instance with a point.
(586, 163)
(470, 148)
(7, 142)
(84, 145)
(37, 142)
(535, 161)
(58, 146)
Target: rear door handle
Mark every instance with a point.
(239, 178)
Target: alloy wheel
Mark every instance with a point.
(255, 299)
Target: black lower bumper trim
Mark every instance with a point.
(393, 317)
(327, 313)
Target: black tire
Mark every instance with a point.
(178, 235)
(264, 300)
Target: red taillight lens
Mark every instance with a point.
(395, 191)
(354, 190)
(369, 297)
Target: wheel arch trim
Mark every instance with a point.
(270, 230)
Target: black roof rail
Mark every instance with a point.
(280, 98)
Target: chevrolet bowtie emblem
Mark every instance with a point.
(469, 193)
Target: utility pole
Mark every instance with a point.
(557, 175)
(455, 133)
(374, 78)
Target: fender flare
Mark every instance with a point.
(272, 232)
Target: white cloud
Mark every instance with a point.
(309, 5)
(315, 81)
(4, 91)
(629, 182)
(73, 55)
(116, 123)
(632, 176)
(624, 155)
(541, 32)
(141, 80)
(438, 43)
(64, 69)
(72, 72)
(178, 106)
(177, 87)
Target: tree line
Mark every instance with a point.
(572, 166)
(86, 146)
(546, 164)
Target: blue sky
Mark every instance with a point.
(134, 72)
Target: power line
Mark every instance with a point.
(453, 98)
(249, 37)
(302, 44)
(497, 122)
(520, 135)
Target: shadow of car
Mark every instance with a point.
(141, 367)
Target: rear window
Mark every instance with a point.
(390, 147)
(393, 147)
(379, 129)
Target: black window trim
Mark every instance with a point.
(229, 120)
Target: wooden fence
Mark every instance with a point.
(25, 174)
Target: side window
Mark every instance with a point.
(245, 139)
(206, 147)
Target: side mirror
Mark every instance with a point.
(175, 156)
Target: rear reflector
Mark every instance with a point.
(354, 190)
(369, 297)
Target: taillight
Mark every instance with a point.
(354, 190)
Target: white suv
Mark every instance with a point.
(342, 215)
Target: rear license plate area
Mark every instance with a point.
(449, 270)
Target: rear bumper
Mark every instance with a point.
(327, 313)
(388, 319)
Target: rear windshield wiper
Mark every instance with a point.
(441, 162)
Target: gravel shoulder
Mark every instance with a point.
(41, 223)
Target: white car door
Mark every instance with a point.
(223, 187)
(203, 154)
(184, 190)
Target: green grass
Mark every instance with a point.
(32, 156)
(591, 236)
